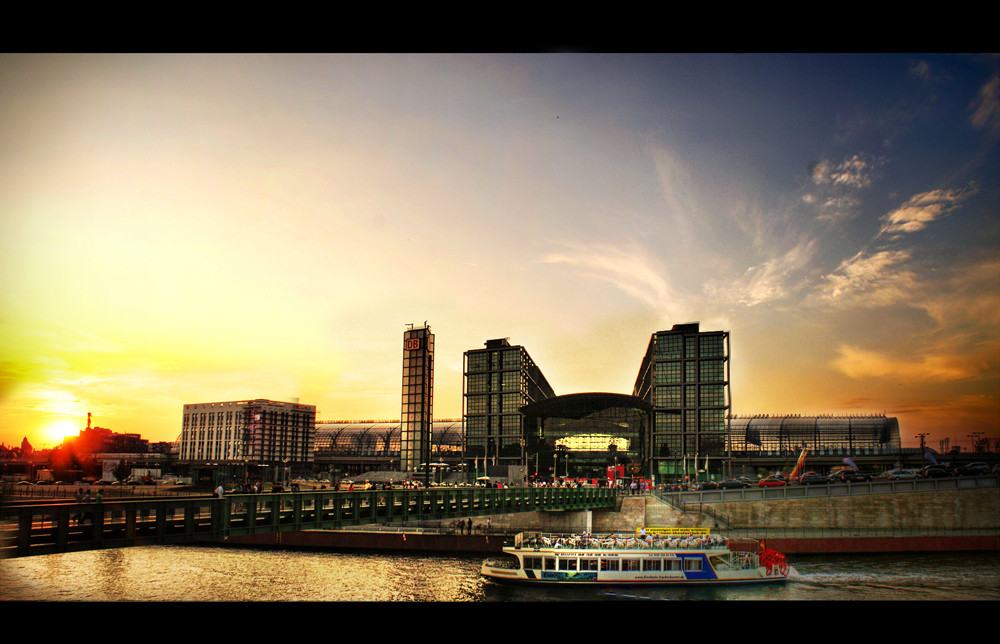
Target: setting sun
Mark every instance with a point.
(58, 429)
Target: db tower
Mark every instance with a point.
(418, 398)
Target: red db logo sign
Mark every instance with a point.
(412, 344)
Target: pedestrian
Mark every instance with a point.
(86, 515)
(220, 491)
(78, 517)
(470, 525)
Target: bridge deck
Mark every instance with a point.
(31, 529)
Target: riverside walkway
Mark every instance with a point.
(45, 528)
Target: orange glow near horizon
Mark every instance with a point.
(58, 430)
(194, 228)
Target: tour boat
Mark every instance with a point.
(651, 556)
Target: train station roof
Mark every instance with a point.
(583, 404)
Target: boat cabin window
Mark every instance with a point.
(651, 564)
(550, 563)
(631, 564)
(610, 564)
(588, 564)
(672, 564)
(532, 563)
(567, 564)
(692, 564)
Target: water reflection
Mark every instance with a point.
(199, 574)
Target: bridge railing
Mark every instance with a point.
(27, 529)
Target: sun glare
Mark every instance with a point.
(59, 428)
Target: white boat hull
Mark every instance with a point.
(638, 566)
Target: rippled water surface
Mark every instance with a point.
(198, 574)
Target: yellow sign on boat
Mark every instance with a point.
(674, 531)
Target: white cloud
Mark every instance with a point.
(922, 209)
(875, 277)
(855, 172)
(772, 280)
(627, 269)
(837, 185)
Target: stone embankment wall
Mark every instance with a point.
(941, 510)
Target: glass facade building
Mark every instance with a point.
(498, 380)
(855, 436)
(418, 398)
(581, 435)
(354, 447)
(684, 377)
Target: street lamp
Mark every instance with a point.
(921, 437)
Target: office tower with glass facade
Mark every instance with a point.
(498, 380)
(418, 398)
(684, 376)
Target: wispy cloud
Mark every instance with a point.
(986, 107)
(855, 172)
(837, 185)
(626, 268)
(772, 280)
(922, 209)
(876, 278)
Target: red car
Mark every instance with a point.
(777, 480)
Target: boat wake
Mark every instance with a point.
(879, 585)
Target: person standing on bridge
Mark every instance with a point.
(220, 491)
(79, 499)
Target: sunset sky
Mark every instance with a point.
(195, 228)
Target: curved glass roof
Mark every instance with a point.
(581, 405)
(378, 437)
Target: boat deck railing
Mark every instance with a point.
(618, 541)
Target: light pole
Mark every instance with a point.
(921, 437)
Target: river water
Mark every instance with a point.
(204, 574)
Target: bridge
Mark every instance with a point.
(45, 528)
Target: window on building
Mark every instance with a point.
(712, 346)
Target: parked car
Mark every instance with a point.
(730, 484)
(849, 476)
(900, 474)
(708, 485)
(811, 478)
(972, 469)
(776, 480)
(934, 472)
